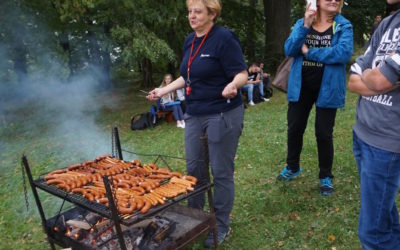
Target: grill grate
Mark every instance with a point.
(103, 210)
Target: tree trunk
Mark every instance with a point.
(147, 70)
(277, 29)
(251, 31)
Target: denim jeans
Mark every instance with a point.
(379, 170)
(249, 88)
(176, 111)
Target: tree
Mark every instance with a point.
(277, 29)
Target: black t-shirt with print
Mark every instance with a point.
(312, 71)
(252, 76)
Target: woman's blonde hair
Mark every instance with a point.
(213, 6)
(163, 83)
(317, 17)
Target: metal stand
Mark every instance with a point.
(114, 212)
(37, 200)
(113, 215)
(204, 143)
(116, 143)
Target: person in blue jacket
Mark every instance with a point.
(321, 44)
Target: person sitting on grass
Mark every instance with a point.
(254, 79)
(168, 103)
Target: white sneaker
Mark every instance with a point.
(265, 99)
(251, 103)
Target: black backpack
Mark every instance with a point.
(142, 121)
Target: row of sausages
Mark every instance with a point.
(136, 186)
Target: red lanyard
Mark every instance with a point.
(191, 58)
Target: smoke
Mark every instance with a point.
(46, 108)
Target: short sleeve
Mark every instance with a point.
(231, 56)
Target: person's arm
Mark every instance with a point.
(376, 81)
(338, 53)
(156, 93)
(385, 77)
(240, 79)
(357, 85)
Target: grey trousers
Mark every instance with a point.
(223, 131)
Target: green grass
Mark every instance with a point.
(266, 215)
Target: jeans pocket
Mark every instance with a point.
(218, 128)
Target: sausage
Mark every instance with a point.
(89, 196)
(177, 174)
(146, 207)
(64, 186)
(55, 181)
(191, 179)
(74, 167)
(81, 191)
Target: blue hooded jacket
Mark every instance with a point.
(333, 87)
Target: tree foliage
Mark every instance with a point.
(76, 37)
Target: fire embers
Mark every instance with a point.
(95, 232)
(136, 186)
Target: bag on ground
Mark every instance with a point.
(142, 121)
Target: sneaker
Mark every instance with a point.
(287, 174)
(209, 243)
(326, 186)
(265, 99)
(251, 103)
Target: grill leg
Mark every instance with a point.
(37, 200)
(204, 142)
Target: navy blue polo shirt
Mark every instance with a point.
(218, 61)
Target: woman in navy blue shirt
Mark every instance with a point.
(212, 70)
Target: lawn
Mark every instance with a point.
(266, 215)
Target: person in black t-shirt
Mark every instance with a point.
(321, 44)
(252, 81)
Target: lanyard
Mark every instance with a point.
(191, 58)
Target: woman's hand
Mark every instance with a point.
(155, 94)
(309, 16)
(304, 49)
(230, 91)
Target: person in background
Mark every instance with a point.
(374, 26)
(168, 103)
(321, 44)
(212, 70)
(264, 77)
(254, 79)
(376, 23)
(376, 138)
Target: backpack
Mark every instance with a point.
(142, 121)
(257, 98)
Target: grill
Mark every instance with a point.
(96, 226)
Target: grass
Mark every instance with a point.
(266, 215)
